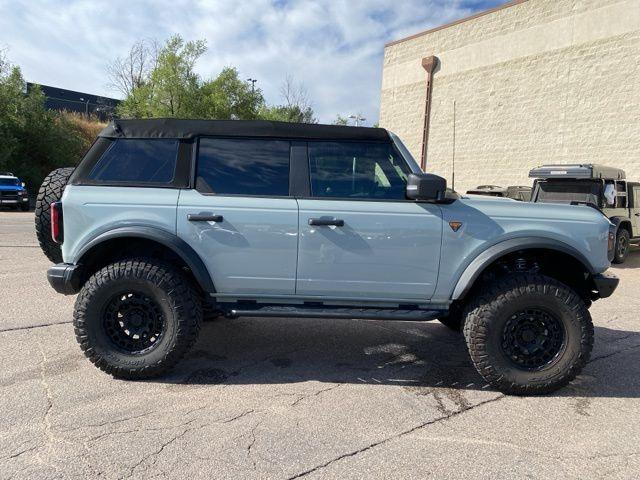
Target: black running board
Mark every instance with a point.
(409, 315)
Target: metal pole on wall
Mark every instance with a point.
(429, 64)
(453, 150)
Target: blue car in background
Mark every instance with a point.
(13, 192)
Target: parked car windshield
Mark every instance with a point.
(567, 191)
(9, 181)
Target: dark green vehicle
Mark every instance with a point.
(602, 187)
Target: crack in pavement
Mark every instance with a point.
(243, 414)
(392, 437)
(108, 422)
(157, 452)
(21, 452)
(251, 444)
(611, 354)
(17, 329)
(314, 394)
(46, 420)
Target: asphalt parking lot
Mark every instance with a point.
(283, 398)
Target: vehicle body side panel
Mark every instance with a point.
(252, 250)
(384, 250)
(488, 222)
(92, 210)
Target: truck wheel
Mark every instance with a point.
(622, 245)
(50, 191)
(528, 334)
(136, 318)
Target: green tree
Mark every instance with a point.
(340, 120)
(33, 140)
(172, 88)
(296, 108)
(228, 97)
(163, 83)
(287, 113)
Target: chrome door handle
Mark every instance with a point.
(204, 217)
(326, 222)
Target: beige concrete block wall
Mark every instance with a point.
(544, 81)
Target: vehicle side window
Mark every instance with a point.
(356, 170)
(137, 161)
(243, 167)
(621, 192)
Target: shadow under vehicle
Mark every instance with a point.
(517, 192)
(599, 186)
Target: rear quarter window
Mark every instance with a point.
(137, 161)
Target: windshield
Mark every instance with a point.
(567, 191)
(9, 181)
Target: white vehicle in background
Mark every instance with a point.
(602, 187)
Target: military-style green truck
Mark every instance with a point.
(600, 186)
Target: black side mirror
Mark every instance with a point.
(426, 186)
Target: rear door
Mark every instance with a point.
(240, 218)
(359, 236)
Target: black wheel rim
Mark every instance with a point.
(532, 339)
(622, 246)
(133, 322)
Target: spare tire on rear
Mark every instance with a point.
(50, 191)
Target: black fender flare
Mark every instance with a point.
(491, 254)
(168, 239)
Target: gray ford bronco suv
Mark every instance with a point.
(166, 221)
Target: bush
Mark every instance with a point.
(33, 140)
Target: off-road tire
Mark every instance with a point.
(622, 246)
(167, 287)
(488, 313)
(50, 191)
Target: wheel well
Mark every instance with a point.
(553, 263)
(626, 225)
(119, 248)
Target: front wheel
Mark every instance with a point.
(136, 318)
(528, 334)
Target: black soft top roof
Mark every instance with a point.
(185, 129)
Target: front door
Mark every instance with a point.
(359, 236)
(240, 218)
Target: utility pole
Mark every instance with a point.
(357, 119)
(253, 84)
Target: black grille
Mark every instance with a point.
(9, 195)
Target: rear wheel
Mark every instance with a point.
(528, 334)
(50, 191)
(136, 318)
(622, 245)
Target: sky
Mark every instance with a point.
(333, 47)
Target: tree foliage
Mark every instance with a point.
(172, 88)
(33, 140)
(228, 97)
